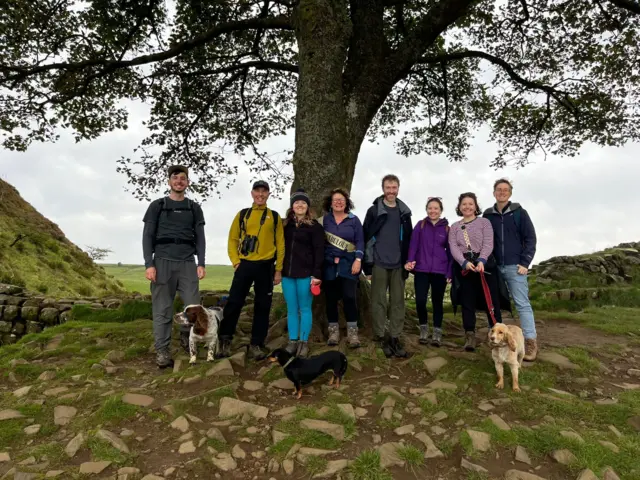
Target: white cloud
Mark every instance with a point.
(577, 204)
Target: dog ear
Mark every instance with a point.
(202, 321)
(510, 340)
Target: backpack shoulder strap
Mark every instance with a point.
(276, 216)
(517, 219)
(241, 219)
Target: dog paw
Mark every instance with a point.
(516, 389)
(192, 361)
(210, 358)
(500, 385)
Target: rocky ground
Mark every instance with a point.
(86, 399)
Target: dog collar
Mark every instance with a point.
(288, 362)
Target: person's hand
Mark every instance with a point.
(336, 260)
(522, 270)
(355, 268)
(448, 280)
(471, 266)
(369, 277)
(150, 274)
(409, 266)
(277, 278)
(201, 273)
(480, 267)
(235, 267)
(315, 281)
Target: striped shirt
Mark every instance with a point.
(480, 234)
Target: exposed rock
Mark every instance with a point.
(216, 434)
(391, 391)
(63, 414)
(252, 385)
(481, 441)
(440, 385)
(5, 457)
(238, 359)
(609, 474)
(472, 467)
(151, 476)
(611, 446)
(231, 407)
(288, 466)
(282, 384)
(74, 445)
(564, 456)
(115, 356)
(522, 456)
(238, 452)
(187, 447)
(389, 455)
(360, 412)
(572, 436)
(277, 436)
(333, 467)
(32, 429)
(221, 368)
(430, 397)
(404, 430)
(432, 451)
(499, 422)
(53, 473)
(89, 468)
(440, 416)
(224, 462)
(336, 431)
(518, 475)
(559, 360)
(21, 392)
(10, 414)
(115, 441)
(434, 364)
(587, 475)
(632, 421)
(181, 424)
(615, 431)
(348, 410)
(285, 411)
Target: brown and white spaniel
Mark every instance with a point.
(204, 323)
(507, 346)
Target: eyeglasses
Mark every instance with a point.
(338, 201)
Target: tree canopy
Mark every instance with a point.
(221, 76)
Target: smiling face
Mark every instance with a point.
(468, 207)
(260, 195)
(502, 192)
(178, 182)
(433, 210)
(390, 190)
(338, 203)
(300, 208)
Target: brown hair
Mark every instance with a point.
(198, 318)
(326, 203)
(473, 197)
(308, 219)
(434, 199)
(390, 178)
(502, 180)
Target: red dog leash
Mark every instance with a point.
(487, 294)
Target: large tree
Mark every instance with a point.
(223, 75)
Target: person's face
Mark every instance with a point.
(178, 182)
(390, 190)
(502, 193)
(338, 203)
(433, 210)
(260, 195)
(300, 207)
(468, 207)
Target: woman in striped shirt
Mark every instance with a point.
(471, 244)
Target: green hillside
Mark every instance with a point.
(34, 253)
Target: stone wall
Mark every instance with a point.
(23, 312)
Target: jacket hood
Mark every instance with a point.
(381, 210)
(443, 222)
(511, 207)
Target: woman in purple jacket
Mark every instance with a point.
(431, 262)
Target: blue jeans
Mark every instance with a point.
(519, 289)
(297, 294)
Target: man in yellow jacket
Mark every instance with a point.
(256, 250)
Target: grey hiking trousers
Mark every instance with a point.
(171, 276)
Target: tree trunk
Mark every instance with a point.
(326, 144)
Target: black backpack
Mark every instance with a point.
(159, 241)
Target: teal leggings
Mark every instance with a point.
(297, 294)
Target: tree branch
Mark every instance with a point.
(280, 22)
(559, 96)
(629, 5)
(257, 64)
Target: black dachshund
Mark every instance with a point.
(302, 371)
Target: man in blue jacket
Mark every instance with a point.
(514, 246)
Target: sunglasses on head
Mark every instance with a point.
(434, 198)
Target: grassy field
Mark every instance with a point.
(132, 277)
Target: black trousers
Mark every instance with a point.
(438, 283)
(260, 275)
(472, 295)
(334, 290)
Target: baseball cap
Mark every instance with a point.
(260, 184)
(178, 168)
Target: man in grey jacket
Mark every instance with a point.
(173, 234)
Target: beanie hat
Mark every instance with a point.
(300, 194)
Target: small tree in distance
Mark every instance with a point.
(97, 253)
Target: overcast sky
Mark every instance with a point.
(578, 205)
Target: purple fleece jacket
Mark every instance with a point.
(429, 247)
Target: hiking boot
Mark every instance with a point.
(184, 341)
(398, 349)
(352, 336)
(530, 349)
(470, 341)
(163, 358)
(292, 347)
(436, 341)
(225, 348)
(303, 350)
(334, 334)
(383, 343)
(256, 353)
(424, 334)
